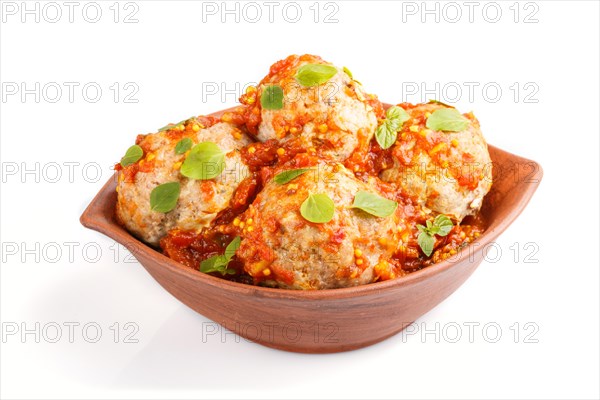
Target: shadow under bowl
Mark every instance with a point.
(333, 320)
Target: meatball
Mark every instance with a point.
(445, 171)
(199, 201)
(336, 116)
(281, 248)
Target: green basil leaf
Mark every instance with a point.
(163, 198)
(216, 263)
(441, 226)
(386, 135)
(208, 265)
(374, 204)
(205, 161)
(444, 225)
(132, 155)
(219, 263)
(272, 97)
(426, 243)
(398, 115)
(433, 101)
(286, 176)
(347, 71)
(232, 247)
(447, 119)
(171, 126)
(315, 74)
(183, 145)
(317, 208)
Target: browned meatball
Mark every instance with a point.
(336, 115)
(446, 171)
(199, 201)
(281, 248)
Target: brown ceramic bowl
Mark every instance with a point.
(332, 320)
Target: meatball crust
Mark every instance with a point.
(199, 201)
(337, 115)
(280, 248)
(447, 172)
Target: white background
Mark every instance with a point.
(175, 59)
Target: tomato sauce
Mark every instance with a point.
(190, 248)
(264, 160)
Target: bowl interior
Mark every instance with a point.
(515, 181)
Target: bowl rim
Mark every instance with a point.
(94, 218)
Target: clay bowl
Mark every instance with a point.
(332, 320)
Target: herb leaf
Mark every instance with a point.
(447, 119)
(132, 155)
(444, 224)
(232, 247)
(426, 243)
(183, 145)
(347, 72)
(433, 101)
(171, 126)
(286, 176)
(387, 133)
(163, 198)
(214, 264)
(272, 97)
(315, 74)
(374, 204)
(430, 226)
(317, 208)
(386, 136)
(441, 226)
(205, 161)
(220, 262)
(396, 116)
